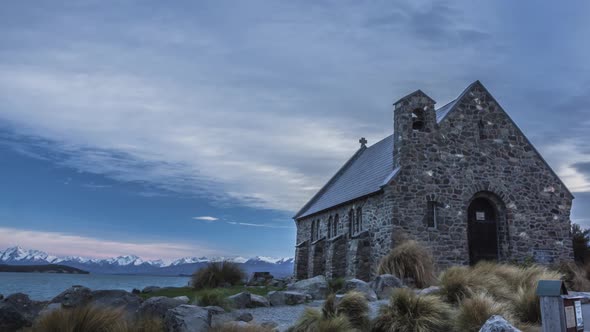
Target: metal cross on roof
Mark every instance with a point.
(363, 141)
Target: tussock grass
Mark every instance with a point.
(217, 297)
(475, 311)
(336, 284)
(409, 260)
(526, 306)
(350, 315)
(455, 284)
(218, 274)
(355, 307)
(95, 319)
(407, 311)
(575, 276)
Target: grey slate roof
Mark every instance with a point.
(368, 170)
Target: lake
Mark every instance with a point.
(45, 286)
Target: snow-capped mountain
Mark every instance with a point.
(131, 264)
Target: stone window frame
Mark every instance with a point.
(432, 214)
(359, 220)
(418, 119)
(329, 228)
(351, 215)
(335, 225)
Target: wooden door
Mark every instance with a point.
(482, 231)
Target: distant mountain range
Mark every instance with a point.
(130, 264)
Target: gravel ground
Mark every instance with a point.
(285, 316)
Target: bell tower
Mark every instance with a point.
(413, 118)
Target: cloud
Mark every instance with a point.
(206, 218)
(63, 244)
(258, 225)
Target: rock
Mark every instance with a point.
(116, 298)
(157, 306)
(260, 279)
(241, 300)
(428, 291)
(73, 297)
(317, 287)
(182, 298)
(51, 307)
(11, 319)
(149, 289)
(384, 285)
(245, 317)
(498, 324)
(277, 298)
(359, 286)
(269, 325)
(25, 306)
(215, 310)
(135, 291)
(258, 301)
(187, 318)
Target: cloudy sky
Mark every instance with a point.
(137, 127)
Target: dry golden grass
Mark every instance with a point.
(82, 319)
(314, 321)
(409, 260)
(475, 311)
(455, 284)
(575, 276)
(526, 306)
(355, 307)
(407, 311)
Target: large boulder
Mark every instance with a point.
(260, 279)
(149, 289)
(182, 298)
(116, 298)
(240, 301)
(384, 284)
(258, 301)
(157, 306)
(187, 318)
(498, 324)
(359, 286)
(74, 296)
(11, 319)
(317, 287)
(278, 298)
(428, 291)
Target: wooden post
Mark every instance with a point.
(552, 310)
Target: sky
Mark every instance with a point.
(199, 128)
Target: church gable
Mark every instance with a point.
(477, 117)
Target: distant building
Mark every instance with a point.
(462, 179)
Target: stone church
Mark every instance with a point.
(463, 180)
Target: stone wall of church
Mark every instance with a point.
(477, 148)
(346, 253)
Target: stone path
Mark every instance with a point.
(285, 316)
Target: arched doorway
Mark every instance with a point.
(482, 230)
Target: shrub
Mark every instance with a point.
(409, 260)
(355, 307)
(218, 274)
(209, 297)
(526, 306)
(328, 320)
(475, 311)
(455, 284)
(580, 243)
(147, 324)
(86, 318)
(407, 311)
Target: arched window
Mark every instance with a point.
(418, 119)
(312, 230)
(335, 225)
(350, 222)
(317, 229)
(330, 228)
(481, 128)
(359, 219)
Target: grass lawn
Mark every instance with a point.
(194, 294)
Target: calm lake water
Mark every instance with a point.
(44, 286)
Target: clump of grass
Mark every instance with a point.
(475, 311)
(336, 284)
(86, 318)
(455, 284)
(409, 260)
(207, 297)
(574, 276)
(526, 305)
(332, 317)
(407, 311)
(355, 307)
(147, 324)
(218, 274)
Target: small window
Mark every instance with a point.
(359, 220)
(317, 229)
(350, 222)
(335, 226)
(481, 127)
(312, 230)
(432, 214)
(329, 228)
(418, 119)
